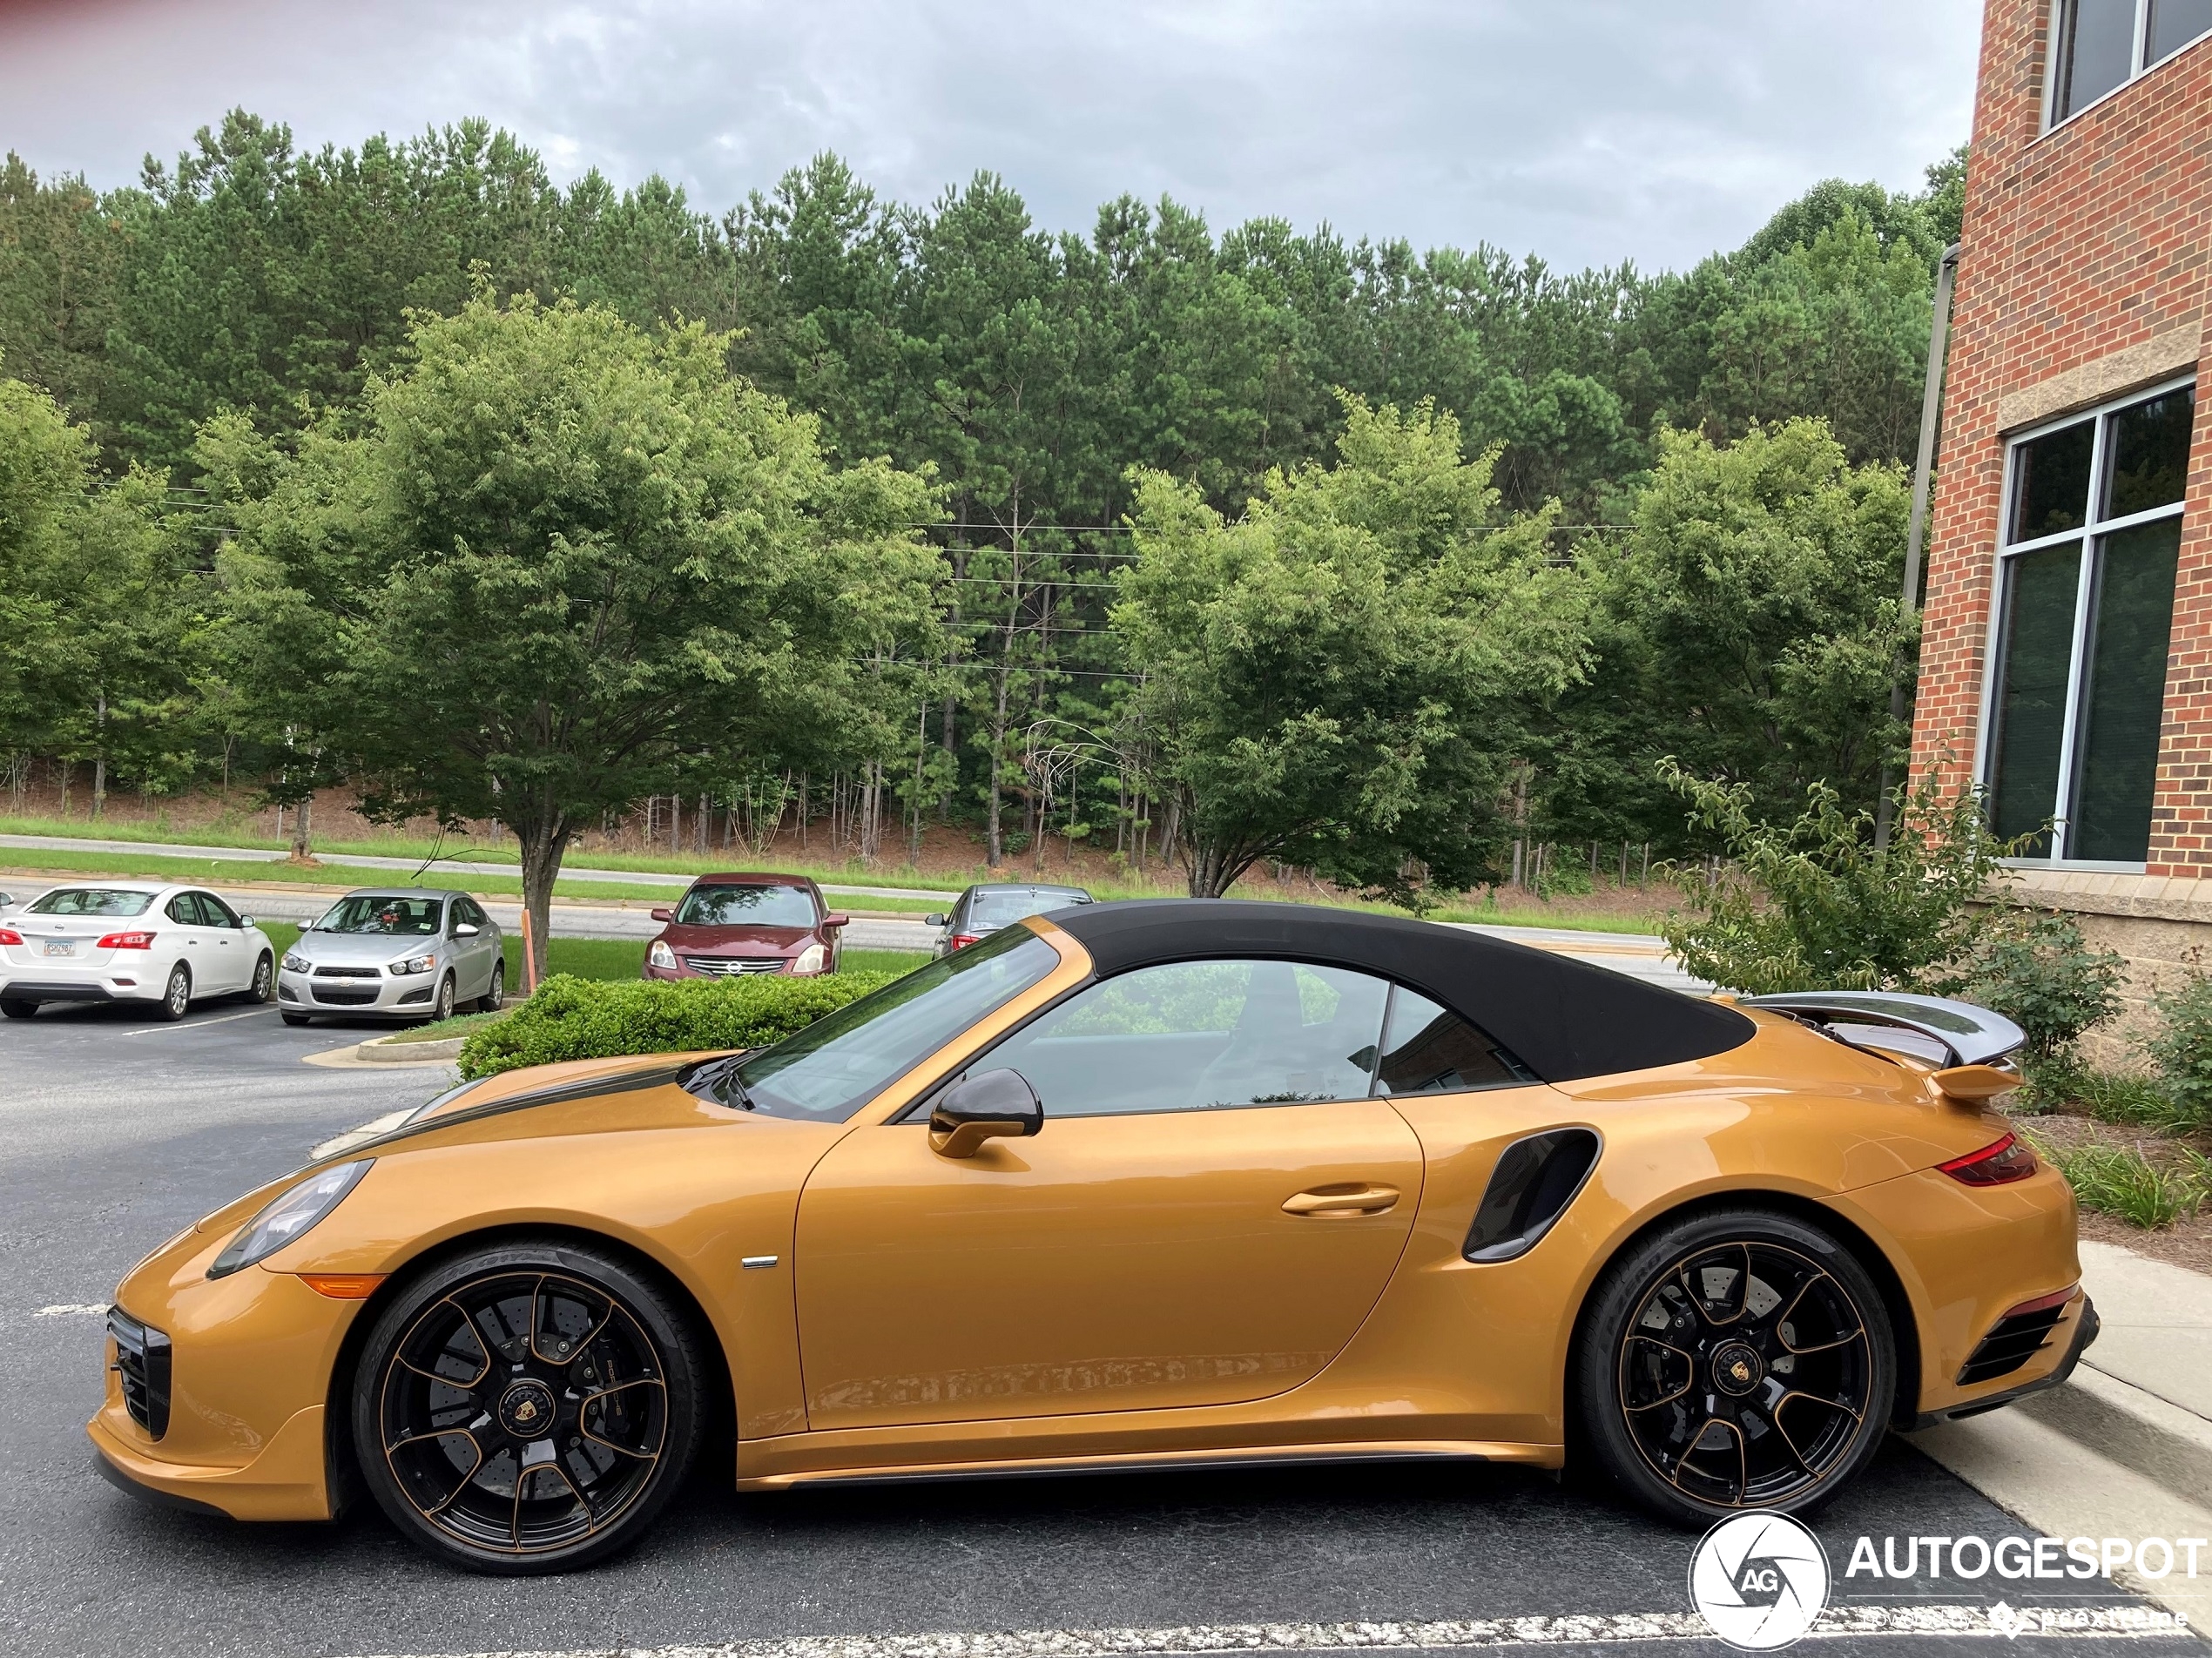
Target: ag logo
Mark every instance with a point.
(1760, 1580)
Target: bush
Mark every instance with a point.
(2032, 966)
(571, 1018)
(2182, 1047)
(2120, 1180)
(1816, 908)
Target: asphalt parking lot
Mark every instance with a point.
(116, 1130)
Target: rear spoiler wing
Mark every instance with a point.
(1969, 1034)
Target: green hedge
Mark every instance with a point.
(573, 1018)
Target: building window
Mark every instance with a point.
(2100, 45)
(2092, 529)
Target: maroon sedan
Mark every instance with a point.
(728, 924)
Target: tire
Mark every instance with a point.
(16, 1008)
(1735, 1359)
(264, 986)
(495, 996)
(573, 1317)
(291, 1018)
(441, 1009)
(176, 998)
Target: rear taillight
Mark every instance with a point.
(9, 935)
(126, 941)
(1994, 1165)
(961, 940)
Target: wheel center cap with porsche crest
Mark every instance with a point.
(1737, 1368)
(526, 1409)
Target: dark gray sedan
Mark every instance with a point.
(989, 905)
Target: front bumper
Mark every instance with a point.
(287, 1480)
(413, 997)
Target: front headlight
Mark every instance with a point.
(413, 964)
(288, 1218)
(294, 962)
(812, 959)
(661, 957)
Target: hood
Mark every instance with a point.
(364, 949)
(736, 941)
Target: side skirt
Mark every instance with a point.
(1541, 1456)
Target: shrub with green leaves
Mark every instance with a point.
(1812, 905)
(571, 1018)
(2121, 1182)
(2035, 967)
(2182, 1047)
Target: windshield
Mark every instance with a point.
(1003, 909)
(92, 900)
(734, 906)
(388, 917)
(836, 1065)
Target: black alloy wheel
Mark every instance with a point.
(16, 1008)
(264, 986)
(176, 999)
(529, 1408)
(495, 996)
(443, 1009)
(1741, 1360)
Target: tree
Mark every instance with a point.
(1335, 680)
(560, 560)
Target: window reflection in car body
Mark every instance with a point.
(732, 905)
(837, 1064)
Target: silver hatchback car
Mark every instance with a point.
(395, 952)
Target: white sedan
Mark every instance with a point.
(131, 942)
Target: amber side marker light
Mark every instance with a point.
(343, 1286)
(1999, 1164)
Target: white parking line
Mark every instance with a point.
(2104, 1623)
(71, 1310)
(197, 1024)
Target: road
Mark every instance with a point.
(116, 1131)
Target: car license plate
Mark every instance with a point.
(61, 946)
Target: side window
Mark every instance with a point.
(184, 909)
(1428, 1050)
(1194, 1035)
(216, 913)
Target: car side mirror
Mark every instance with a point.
(833, 919)
(245, 921)
(995, 1106)
(663, 915)
(466, 930)
(935, 920)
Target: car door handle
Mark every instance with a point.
(1344, 1202)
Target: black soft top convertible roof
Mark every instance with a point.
(1563, 1019)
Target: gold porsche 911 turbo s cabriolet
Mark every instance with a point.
(1134, 1185)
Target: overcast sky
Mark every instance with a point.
(1586, 131)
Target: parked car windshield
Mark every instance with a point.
(1003, 909)
(837, 1064)
(388, 917)
(92, 900)
(734, 906)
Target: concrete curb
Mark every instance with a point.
(385, 1050)
(2165, 1444)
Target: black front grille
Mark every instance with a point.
(2015, 1339)
(730, 964)
(142, 1361)
(345, 995)
(349, 973)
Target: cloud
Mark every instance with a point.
(1587, 130)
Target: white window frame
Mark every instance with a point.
(2137, 68)
(2091, 530)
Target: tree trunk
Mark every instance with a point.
(542, 837)
(303, 830)
(99, 757)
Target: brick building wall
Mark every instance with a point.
(2081, 276)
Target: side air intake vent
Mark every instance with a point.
(1534, 1182)
(142, 1361)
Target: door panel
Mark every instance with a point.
(1110, 1263)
